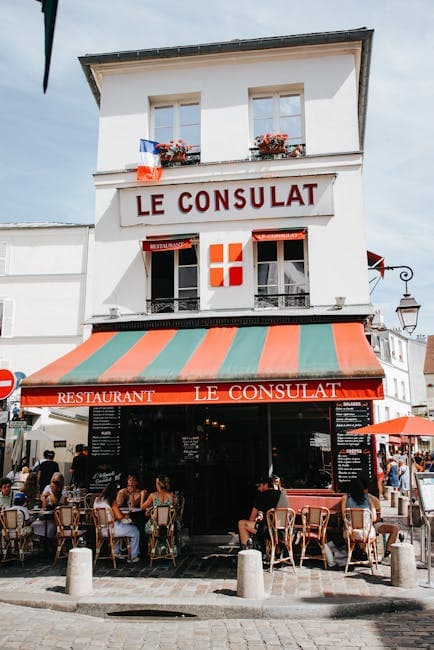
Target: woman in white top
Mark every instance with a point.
(107, 499)
(53, 495)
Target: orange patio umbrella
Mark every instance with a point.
(408, 425)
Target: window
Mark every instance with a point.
(3, 257)
(395, 387)
(178, 120)
(400, 355)
(6, 316)
(281, 274)
(403, 391)
(174, 281)
(385, 350)
(278, 112)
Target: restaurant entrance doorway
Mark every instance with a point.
(213, 456)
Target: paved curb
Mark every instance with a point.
(214, 608)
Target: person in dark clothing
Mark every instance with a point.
(266, 499)
(79, 468)
(46, 469)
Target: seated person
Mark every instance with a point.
(52, 496)
(129, 496)
(277, 485)
(381, 527)
(360, 498)
(266, 499)
(24, 516)
(5, 492)
(122, 526)
(163, 496)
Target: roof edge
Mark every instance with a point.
(246, 45)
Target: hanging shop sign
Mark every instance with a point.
(205, 393)
(295, 196)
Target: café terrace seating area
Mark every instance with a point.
(293, 537)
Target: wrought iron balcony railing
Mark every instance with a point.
(281, 300)
(167, 305)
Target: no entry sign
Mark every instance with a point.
(7, 383)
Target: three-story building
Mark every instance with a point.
(230, 293)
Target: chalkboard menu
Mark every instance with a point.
(191, 447)
(104, 446)
(353, 452)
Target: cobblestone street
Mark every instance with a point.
(27, 629)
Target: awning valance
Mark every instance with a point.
(278, 235)
(155, 246)
(226, 364)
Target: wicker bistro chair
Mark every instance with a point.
(15, 536)
(162, 538)
(104, 522)
(280, 523)
(359, 529)
(67, 520)
(314, 520)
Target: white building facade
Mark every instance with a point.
(229, 295)
(44, 303)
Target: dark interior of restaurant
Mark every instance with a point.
(215, 455)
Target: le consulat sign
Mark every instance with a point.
(299, 196)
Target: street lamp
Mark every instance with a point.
(408, 308)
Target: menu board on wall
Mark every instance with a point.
(353, 452)
(191, 447)
(104, 446)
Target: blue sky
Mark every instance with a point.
(49, 142)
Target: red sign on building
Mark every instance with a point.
(7, 383)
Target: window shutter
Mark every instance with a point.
(7, 320)
(3, 257)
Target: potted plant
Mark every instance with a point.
(174, 151)
(271, 143)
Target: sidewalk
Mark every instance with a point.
(204, 585)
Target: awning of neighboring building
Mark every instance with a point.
(278, 235)
(218, 364)
(154, 246)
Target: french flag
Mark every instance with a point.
(149, 168)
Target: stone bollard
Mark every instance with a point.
(394, 498)
(403, 566)
(250, 576)
(387, 492)
(403, 505)
(79, 572)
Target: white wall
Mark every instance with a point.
(223, 83)
(328, 77)
(46, 278)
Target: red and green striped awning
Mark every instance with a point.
(172, 364)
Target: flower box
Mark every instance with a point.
(174, 151)
(271, 149)
(179, 157)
